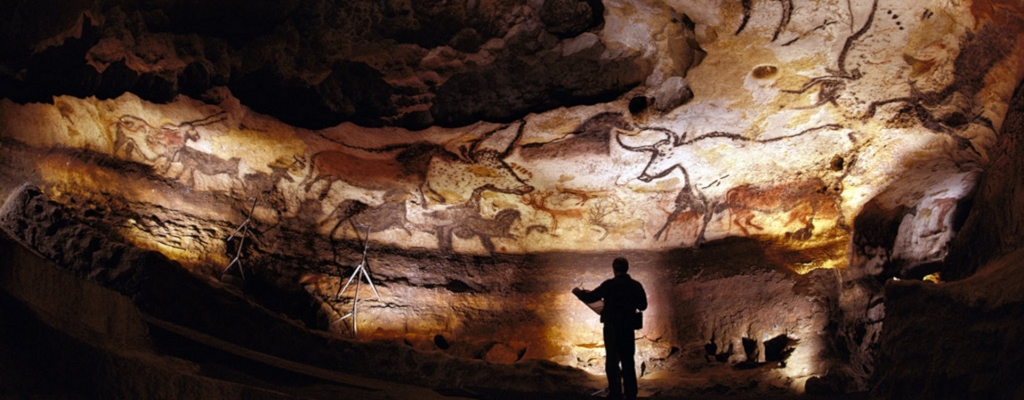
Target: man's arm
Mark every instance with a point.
(589, 296)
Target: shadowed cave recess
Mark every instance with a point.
(394, 199)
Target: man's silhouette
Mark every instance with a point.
(622, 297)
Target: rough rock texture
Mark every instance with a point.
(993, 228)
(768, 165)
(954, 340)
(318, 63)
(951, 340)
(158, 287)
(698, 322)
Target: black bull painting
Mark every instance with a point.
(714, 164)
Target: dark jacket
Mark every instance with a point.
(622, 297)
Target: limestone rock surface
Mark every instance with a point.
(768, 167)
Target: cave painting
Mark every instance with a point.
(429, 172)
(193, 161)
(600, 211)
(403, 172)
(396, 171)
(951, 109)
(163, 147)
(558, 204)
(466, 222)
(137, 140)
(609, 215)
(944, 108)
(379, 218)
(802, 201)
(481, 165)
(712, 192)
(268, 186)
(445, 183)
(787, 13)
(830, 86)
(705, 162)
(591, 138)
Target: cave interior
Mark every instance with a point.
(394, 199)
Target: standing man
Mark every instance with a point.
(623, 298)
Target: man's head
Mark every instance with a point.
(620, 265)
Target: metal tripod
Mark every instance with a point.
(243, 231)
(361, 271)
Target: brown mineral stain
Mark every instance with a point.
(764, 71)
(1001, 12)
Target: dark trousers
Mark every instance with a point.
(619, 349)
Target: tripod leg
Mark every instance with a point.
(237, 260)
(338, 295)
(355, 309)
(238, 229)
(370, 281)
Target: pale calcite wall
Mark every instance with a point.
(800, 119)
(848, 102)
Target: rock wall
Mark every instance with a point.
(709, 315)
(960, 336)
(122, 307)
(954, 340)
(992, 228)
(493, 155)
(634, 170)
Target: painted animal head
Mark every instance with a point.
(131, 123)
(507, 217)
(186, 131)
(491, 169)
(660, 143)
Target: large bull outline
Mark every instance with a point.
(670, 152)
(156, 145)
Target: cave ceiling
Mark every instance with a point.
(766, 164)
(485, 127)
(524, 126)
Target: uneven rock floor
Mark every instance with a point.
(29, 349)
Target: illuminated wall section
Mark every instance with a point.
(762, 140)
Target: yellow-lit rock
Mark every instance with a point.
(766, 165)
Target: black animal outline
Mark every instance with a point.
(193, 160)
(937, 110)
(466, 222)
(134, 135)
(832, 84)
(473, 154)
(787, 13)
(917, 103)
(690, 197)
(266, 185)
(381, 217)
